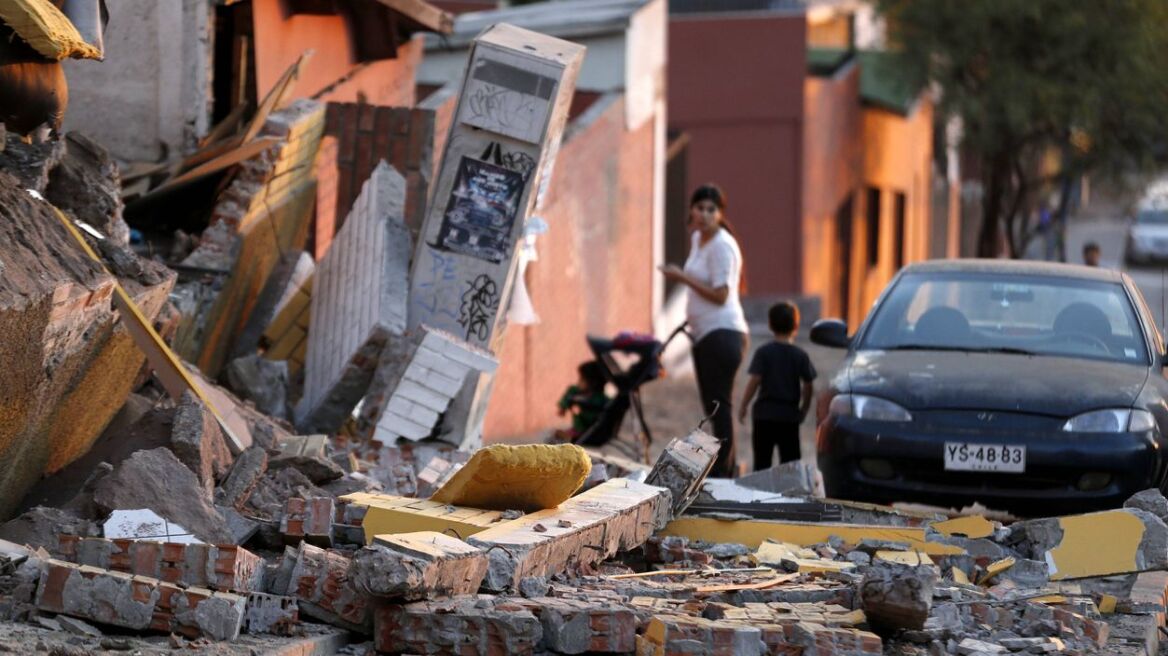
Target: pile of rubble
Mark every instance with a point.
(213, 442)
(292, 545)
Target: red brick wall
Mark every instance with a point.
(594, 273)
(735, 85)
(367, 134)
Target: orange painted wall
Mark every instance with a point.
(832, 161)
(594, 273)
(735, 86)
(281, 38)
(898, 154)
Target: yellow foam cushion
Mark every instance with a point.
(526, 477)
(41, 25)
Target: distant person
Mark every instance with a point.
(1091, 254)
(783, 376)
(714, 276)
(585, 401)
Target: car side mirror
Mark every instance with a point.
(830, 332)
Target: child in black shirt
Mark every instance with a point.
(782, 375)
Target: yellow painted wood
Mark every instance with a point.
(392, 515)
(996, 568)
(752, 533)
(1096, 544)
(971, 527)
(527, 477)
(914, 558)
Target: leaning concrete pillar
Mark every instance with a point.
(511, 113)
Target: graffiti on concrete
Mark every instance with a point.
(479, 303)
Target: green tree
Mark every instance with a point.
(1047, 90)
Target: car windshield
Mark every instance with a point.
(1028, 315)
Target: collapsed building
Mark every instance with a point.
(258, 430)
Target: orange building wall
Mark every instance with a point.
(281, 38)
(594, 273)
(832, 150)
(898, 153)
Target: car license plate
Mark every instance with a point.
(964, 456)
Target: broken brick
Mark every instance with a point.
(413, 566)
(467, 626)
(614, 516)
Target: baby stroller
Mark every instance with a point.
(628, 382)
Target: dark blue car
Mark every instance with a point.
(1032, 387)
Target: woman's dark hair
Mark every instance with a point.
(715, 195)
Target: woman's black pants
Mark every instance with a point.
(717, 357)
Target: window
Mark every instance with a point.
(873, 227)
(898, 218)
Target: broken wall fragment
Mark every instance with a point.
(358, 303)
(495, 163)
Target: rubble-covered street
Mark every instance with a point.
(269, 335)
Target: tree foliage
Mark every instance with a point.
(1046, 90)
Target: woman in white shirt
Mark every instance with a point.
(713, 276)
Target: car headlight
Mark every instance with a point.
(1117, 420)
(867, 407)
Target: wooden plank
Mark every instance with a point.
(220, 163)
(423, 13)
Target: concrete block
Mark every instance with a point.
(158, 481)
(310, 520)
(245, 474)
(897, 597)
(415, 566)
(138, 602)
(225, 568)
(586, 625)
(468, 626)
(198, 442)
(271, 614)
(526, 477)
(358, 302)
(588, 528)
(319, 580)
(263, 382)
(682, 467)
(677, 634)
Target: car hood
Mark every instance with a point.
(1056, 386)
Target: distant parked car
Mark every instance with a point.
(1147, 233)
(1030, 387)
